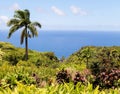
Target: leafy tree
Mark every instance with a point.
(22, 20)
(110, 54)
(86, 54)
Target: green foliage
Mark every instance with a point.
(13, 55)
(6, 46)
(107, 69)
(37, 75)
(1, 54)
(57, 89)
(100, 60)
(90, 54)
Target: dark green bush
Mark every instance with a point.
(63, 76)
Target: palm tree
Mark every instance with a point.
(22, 21)
(86, 54)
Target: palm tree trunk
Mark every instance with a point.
(26, 45)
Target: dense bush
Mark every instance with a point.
(79, 78)
(63, 76)
(106, 75)
(108, 79)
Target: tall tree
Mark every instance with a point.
(22, 21)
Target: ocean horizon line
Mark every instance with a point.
(39, 30)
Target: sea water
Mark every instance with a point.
(64, 43)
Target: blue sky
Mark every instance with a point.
(66, 14)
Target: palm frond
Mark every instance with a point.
(22, 36)
(37, 24)
(22, 19)
(12, 30)
(22, 22)
(12, 22)
(27, 14)
(19, 14)
(33, 30)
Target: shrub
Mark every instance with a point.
(106, 75)
(67, 76)
(79, 78)
(108, 79)
(63, 76)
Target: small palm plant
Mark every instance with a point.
(22, 21)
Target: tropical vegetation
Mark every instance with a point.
(44, 73)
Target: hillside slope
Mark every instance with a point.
(13, 55)
(90, 54)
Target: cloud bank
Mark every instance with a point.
(3, 19)
(57, 11)
(78, 11)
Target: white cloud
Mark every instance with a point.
(57, 11)
(76, 10)
(15, 6)
(3, 19)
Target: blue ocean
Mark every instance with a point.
(64, 43)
